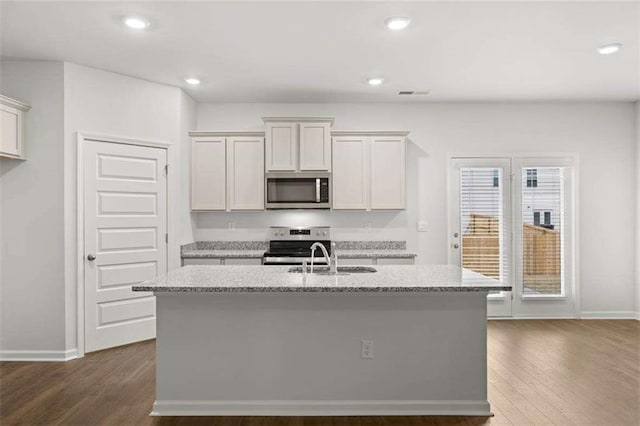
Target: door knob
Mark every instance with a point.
(91, 257)
(455, 245)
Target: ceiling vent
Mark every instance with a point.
(414, 92)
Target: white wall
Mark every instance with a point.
(188, 115)
(32, 255)
(638, 210)
(602, 134)
(102, 102)
(38, 256)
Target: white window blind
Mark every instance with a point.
(542, 231)
(483, 222)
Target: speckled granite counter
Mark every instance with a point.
(223, 249)
(255, 250)
(270, 279)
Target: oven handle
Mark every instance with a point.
(317, 190)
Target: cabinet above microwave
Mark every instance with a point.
(298, 144)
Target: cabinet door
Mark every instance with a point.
(315, 146)
(200, 261)
(10, 131)
(350, 173)
(387, 172)
(396, 261)
(245, 173)
(208, 174)
(281, 147)
(242, 261)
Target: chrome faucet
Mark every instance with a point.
(332, 260)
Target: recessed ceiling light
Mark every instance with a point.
(397, 23)
(375, 81)
(609, 48)
(192, 81)
(136, 22)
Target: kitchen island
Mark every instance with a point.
(259, 340)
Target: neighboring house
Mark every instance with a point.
(541, 195)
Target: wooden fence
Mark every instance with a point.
(541, 252)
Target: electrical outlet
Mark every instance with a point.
(367, 227)
(423, 226)
(232, 226)
(367, 349)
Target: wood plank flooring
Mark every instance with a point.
(560, 372)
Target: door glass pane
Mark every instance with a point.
(542, 226)
(482, 221)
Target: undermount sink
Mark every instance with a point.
(342, 270)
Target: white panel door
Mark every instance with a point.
(208, 174)
(245, 173)
(388, 170)
(350, 173)
(315, 146)
(281, 153)
(125, 226)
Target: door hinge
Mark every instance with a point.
(166, 238)
(166, 169)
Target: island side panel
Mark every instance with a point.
(300, 353)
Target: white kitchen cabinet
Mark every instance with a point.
(208, 170)
(356, 262)
(242, 261)
(245, 173)
(13, 117)
(315, 146)
(298, 144)
(221, 261)
(369, 170)
(281, 153)
(388, 171)
(350, 173)
(396, 261)
(227, 171)
(200, 261)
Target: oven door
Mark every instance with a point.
(297, 191)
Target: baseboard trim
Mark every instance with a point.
(608, 315)
(39, 355)
(321, 408)
(532, 317)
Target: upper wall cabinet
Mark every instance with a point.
(227, 171)
(298, 144)
(369, 170)
(13, 117)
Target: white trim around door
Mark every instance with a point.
(173, 260)
(549, 307)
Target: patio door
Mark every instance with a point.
(512, 219)
(543, 237)
(479, 223)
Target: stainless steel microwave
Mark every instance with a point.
(306, 190)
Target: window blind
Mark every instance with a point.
(542, 226)
(483, 221)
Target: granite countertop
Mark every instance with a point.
(255, 249)
(270, 279)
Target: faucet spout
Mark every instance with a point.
(325, 254)
(332, 260)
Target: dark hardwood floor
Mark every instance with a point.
(561, 372)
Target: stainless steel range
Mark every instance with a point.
(292, 245)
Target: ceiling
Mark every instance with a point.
(326, 51)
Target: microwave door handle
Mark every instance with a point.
(317, 190)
